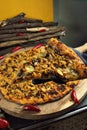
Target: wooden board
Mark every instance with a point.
(48, 110)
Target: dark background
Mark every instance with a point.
(73, 15)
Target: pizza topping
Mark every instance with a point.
(59, 72)
(35, 62)
(42, 30)
(52, 92)
(20, 34)
(29, 68)
(21, 21)
(61, 87)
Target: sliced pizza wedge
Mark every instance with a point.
(53, 59)
(58, 60)
(25, 92)
(67, 64)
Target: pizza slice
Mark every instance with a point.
(58, 60)
(67, 64)
(13, 64)
(53, 59)
(25, 92)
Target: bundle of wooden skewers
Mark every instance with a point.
(20, 29)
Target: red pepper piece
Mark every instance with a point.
(31, 108)
(21, 21)
(38, 46)
(74, 97)
(4, 124)
(16, 48)
(20, 34)
(42, 30)
(1, 57)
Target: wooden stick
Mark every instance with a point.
(16, 42)
(10, 31)
(26, 36)
(28, 25)
(25, 30)
(11, 20)
(46, 37)
(11, 43)
(31, 20)
(46, 24)
(22, 25)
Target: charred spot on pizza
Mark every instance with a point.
(56, 65)
(20, 73)
(72, 85)
(61, 87)
(38, 94)
(52, 92)
(85, 71)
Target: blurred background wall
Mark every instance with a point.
(69, 13)
(41, 9)
(73, 15)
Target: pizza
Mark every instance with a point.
(18, 71)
